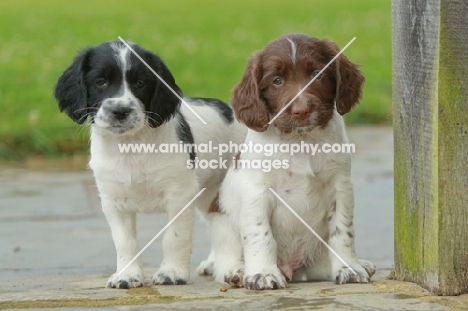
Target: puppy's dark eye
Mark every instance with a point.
(316, 74)
(101, 83)
(278, 81)
(140, 84)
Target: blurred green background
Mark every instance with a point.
(204, 43)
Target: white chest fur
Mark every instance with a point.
(138, 182)
(307, 185)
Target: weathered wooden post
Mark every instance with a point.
(430, 101)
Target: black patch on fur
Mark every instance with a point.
(184, 133)
(71, 91)
(222, 108)
(337, 232)
(164, 103)
(349, 234)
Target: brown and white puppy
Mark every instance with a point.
(267, 244)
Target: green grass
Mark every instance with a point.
(205, 44)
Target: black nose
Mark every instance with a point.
(120, 113)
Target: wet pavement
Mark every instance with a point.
(57, 250)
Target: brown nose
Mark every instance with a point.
(300, 111)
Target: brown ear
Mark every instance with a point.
(248, 106)
(349, 83)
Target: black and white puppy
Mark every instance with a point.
(124, 102)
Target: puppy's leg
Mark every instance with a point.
(206, 266)
(341, 230)
(227, 248)
(124, 235)
(260, 250)
(177, 246)
(321, 270)
(207, 204)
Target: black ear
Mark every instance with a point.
(164, 103)
(70, 90)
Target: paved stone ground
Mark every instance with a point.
(57, 251)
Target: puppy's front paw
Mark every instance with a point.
(368, 266)
(267, 279)
(235, 277)
(125, 280)
(364, 270)
(205, 267)
(170, 276)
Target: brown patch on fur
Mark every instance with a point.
(349, 84)
(214, 206)
(246, 102)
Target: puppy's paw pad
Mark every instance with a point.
(345, 275)
(235, 278)
(124, 282)
(164, 279)
(261, 281)
(368, 266)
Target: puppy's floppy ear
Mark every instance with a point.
(349, 83)
(164, 103)
(71, 91)
(246, 100)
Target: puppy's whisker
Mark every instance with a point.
(83, 117)
(81, 130)
(149, 118)
(85, 108)
(150, 112)
(89, 112)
